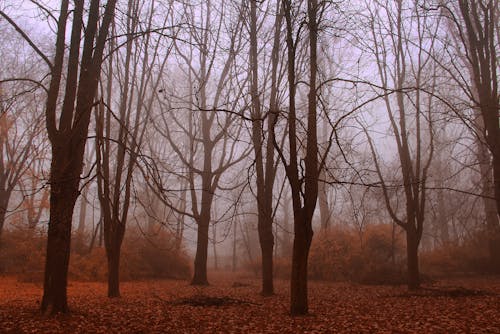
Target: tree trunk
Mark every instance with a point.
(266, 239)
(214, 245)
(101, 232)
(234, 245)
(286, 248)
(444, 231)
(113, 255)
(4, 202)
(301, 246)
(80, 231)
(412, 258)
(200, 261)
(324, 210)
(63, 195)
(264, 171)
(490, 209)
(245, 234)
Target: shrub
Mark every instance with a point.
(154, 256)
(142, 257)
(340, 254)
(454, 258)
(335, 255)
(22, 253)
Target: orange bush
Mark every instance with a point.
(339, 254)
(342, 254)
(470, 256)
(142, 257)
(22, 253)
(335, 255)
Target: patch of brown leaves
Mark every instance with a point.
(233, 305)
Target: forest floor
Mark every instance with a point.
(232, 304)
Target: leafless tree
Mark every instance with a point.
(265, 167)
(303, 174)
(19, 144)
(67, 126)
(475, 33)
(403, 58)
(120, 136)
(200, 121)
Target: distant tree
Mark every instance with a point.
(202, 136)
(120, 136)
(19, 144)
(21, 119)
(404, 59)
(35, 193)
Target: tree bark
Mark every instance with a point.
(301, 245)
(63, 195)
(266, 239)
(113, 256)
(200, 261)
(324, 210)
(490, 209)
(412, 243)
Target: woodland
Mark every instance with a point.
(246, 166)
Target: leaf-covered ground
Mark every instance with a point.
(232, 305)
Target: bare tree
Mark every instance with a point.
(203, 128)
(303, 178)
(67, 126)
(404, 61)
(265, 167)
(35, 192)
(476, 37)
(19, 144)
(120, 137)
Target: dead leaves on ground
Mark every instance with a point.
(466, 306)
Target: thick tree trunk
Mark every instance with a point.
(492, 212)
(200, 261)
(486, 165)
(286, 248)
(63, 195)
(266, 239)
(114, 230)
(301, 245)
(412, 258)
(490, 209)
(113, 255)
